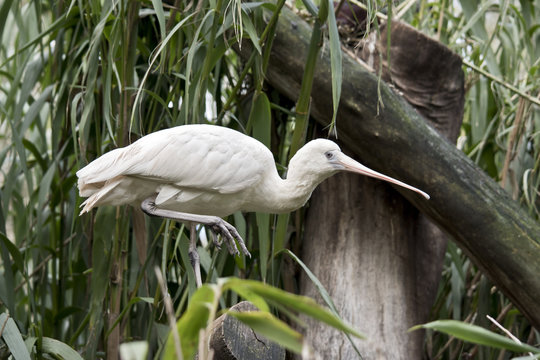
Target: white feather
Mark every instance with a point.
(211, 170)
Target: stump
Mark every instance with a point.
(233, 340)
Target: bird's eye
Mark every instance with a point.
(329, 155)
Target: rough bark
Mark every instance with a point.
(485, 222)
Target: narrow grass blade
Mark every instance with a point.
(322, 291)
(336, 59)
(477, 335)
(158, 7)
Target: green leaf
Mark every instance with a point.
(158, 7)
(263, 229)
(280, 232)
(320, 287)
(260, 119)
(192, 322)
(311, 7)
(477, 335)
(298, 303)
(336, 60)
(322, 291)
(252, 32)
(30, 146)
(14, 251)
(7, 280)
(257, 300)
(324, 7)
(4, 12)
(13, 338)
(59, 349)
(274, 329)
(34, 109)
(101, 265)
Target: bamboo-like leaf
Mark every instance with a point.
(280, 233)
(174, 30)
(13, 338)
(13, 250)
(183, 245)
(298, 303)
(158, 7)
(36, 107)
(476, 335)
(192, 322)
(271, 327)
(252, 32)
(335, 63)
(4, 11)
(320, 287)
(44, 192)
(59, 349)
(261, 119)
(101, 255)
(7, 280)
(254, 298)
(304, 99)
(311, 7)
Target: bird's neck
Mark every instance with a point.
(289, 194)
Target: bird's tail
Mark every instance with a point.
(96, 194)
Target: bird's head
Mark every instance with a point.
(321, 158)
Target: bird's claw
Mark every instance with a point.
(230, 234)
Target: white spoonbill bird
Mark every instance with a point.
(200, 173)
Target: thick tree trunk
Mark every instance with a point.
(381, 261)
(368, 247)
(485, 222)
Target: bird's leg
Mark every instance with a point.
(193, 254)
(216, 224)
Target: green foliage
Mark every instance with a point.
(498, 41)
(203, 309)
(81, 78)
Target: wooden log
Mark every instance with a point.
(233, 340)
(501, 239)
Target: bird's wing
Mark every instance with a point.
(198, 157)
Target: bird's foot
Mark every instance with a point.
(217, 225)
(230, 234)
